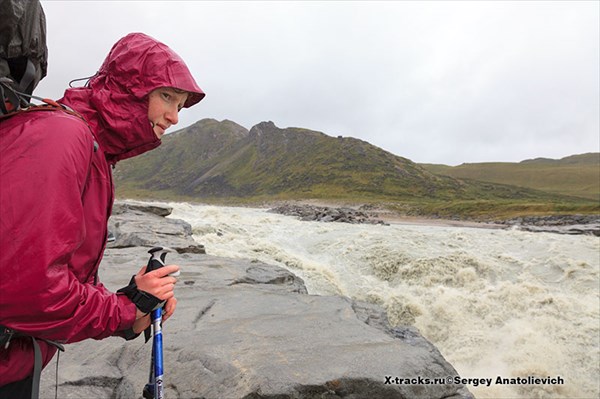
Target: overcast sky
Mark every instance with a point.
(433, 81)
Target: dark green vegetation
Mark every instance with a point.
(222, 162)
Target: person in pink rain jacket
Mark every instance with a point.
(56, 195)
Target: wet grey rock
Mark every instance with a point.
(559, 224)
(245, 329)
(128, 207)
(265, 274)
(145, 226)
(326, 214)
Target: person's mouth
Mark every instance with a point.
(161, 128)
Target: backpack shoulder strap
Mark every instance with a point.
(47, 105)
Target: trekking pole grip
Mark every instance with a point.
(154, 389)
(158, 258)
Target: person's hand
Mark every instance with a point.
(157, 282)
(143, 321)
(169, 308)
(161, 285)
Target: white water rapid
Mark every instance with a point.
(495, 302)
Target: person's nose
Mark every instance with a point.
(172, 116)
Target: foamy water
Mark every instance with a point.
(495, 302)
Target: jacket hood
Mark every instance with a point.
(115, 100)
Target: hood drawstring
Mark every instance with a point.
(87, 79)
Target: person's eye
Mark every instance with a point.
(166, 95)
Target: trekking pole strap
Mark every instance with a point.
(144, 301)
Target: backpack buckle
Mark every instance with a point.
(6, 335)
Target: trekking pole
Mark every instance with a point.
(154, 389)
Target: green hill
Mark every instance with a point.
(222, 162)
(575, 175)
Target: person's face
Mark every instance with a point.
(164, 104)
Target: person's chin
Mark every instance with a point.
(159, 132)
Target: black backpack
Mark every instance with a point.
(23, 52)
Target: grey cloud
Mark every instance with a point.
(442, 82)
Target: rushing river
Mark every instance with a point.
(495, 302)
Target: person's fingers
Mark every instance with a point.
(165, 292)
(165, 270)
(155, 283)
(158, 282)
(142, 271)
(170, 308)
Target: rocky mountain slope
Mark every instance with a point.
(222, 160)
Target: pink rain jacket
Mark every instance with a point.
(56, 194)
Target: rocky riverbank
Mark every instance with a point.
(246, 329)
(327, 214)
(560, 224)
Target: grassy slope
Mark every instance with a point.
(577, 175)
(181, 155)
(222, 162)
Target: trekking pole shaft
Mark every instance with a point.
(155, 388)
(158, 353)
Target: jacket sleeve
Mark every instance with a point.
(44, 167)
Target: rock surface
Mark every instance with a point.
(561, 224)
(140, 226)
(326, 214)
(245, 329)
